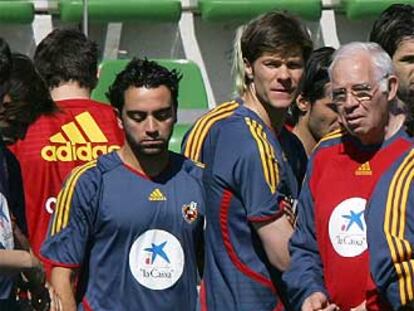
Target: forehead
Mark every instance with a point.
(351, 70)
(147, 99)
(405, 47)
(293, 52)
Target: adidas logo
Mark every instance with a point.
(157, 195)
(81, 139)
(364, 170)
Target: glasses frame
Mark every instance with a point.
(368, 93)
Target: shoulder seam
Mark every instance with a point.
(64, 199)
(202, 126)
(266, 152)
(329, 137)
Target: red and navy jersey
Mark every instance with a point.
(134, 235)
(246, 177)
(81, 130)
(390, 220)
(329, 248)
(193, 145)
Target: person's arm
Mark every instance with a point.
(275, 236)
(67, 240)
(63, 285)
(304, 278)
(17, 260)
(390, 232)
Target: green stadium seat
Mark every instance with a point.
(358, 9)
(242, 10)
(177, 137)
(16, 12)
(192, 93)
(121, 10)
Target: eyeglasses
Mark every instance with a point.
(361, 92)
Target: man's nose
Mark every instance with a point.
(151, 126)
(350, 102)
(284, 73)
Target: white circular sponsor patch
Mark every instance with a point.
(347, 228)
(156, 259)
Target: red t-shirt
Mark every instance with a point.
(82, 130)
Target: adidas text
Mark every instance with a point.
(72, 152)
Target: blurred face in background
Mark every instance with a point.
(403, 60)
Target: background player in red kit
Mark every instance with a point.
(78, 132)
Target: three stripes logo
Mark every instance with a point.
(81, 140)
(157, 195)
(364, 170)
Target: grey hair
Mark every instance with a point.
(238, 67)
(383, 65)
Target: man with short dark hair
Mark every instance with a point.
(329, 266)
(77, 133)
(394, 32)
(248, 179)
(314, 113)
(130, 221)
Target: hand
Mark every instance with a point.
(318, 301)
(36, 287)
(361, 307)
(288, 206)
(55, 303)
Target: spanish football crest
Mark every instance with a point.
(190, 212)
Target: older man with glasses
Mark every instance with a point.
(329, 268)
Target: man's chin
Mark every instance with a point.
(153, 150)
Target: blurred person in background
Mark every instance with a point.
(79, 131)
(393, 30)
(314, 113)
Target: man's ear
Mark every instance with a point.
(119, 119)
(392, 87)
(248, 69)
(302, 104)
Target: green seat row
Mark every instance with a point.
(358, 9)
(222, 10)
(170, 10)
(16, 11)
(121, 10)
(192, 93)
(22, 11)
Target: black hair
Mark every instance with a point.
(5, 67)
(316, 76)
(29, 97)
(5, 61)
(67, 55)
(394, 25)
(143, 73)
